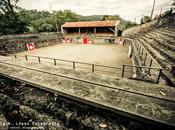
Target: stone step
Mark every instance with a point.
(156, 55)
(169, 55)
(116, 100)
(169, 34)
(170, 31)
(170, 40)
(165, 64)
(162, 42)
(149, 47)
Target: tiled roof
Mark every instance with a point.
(91, 24)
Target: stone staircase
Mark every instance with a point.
(159, 41)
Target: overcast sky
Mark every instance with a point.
(128, 9)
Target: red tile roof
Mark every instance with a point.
(91, 24)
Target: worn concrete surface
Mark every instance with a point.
(149, 108)
(113, 80)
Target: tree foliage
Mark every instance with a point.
(91, 18)
(111, 17)
(8, 6)
(145, 19)
(15, 20)
(10, 22)
(22, 21)
(61, 17)
(124, 24)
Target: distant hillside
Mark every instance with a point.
(124, 24)
(91, 18)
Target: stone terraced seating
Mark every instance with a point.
(158, 38)
(162, 56)
(163, 39)
(165, 52)
(167, 33)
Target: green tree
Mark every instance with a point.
(145, 19)
(111, 17)
(38, 21)
(41, 21)
(124, 24)
(6, 6)
(10, 22)
(61, 17)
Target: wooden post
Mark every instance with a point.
(158, 78)
(116, 30)
(145, 58)
(137, 45)
(39, 60)
(93, 68)
(73, 65)
(55, 63)
(123, 71)
(26, 57)
(150, 66)
(139, 49)
(141, 54)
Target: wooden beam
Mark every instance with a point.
(112, 30)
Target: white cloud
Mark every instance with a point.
(128, 9)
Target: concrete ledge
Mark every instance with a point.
(142, 108)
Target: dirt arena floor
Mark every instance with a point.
(113, 55)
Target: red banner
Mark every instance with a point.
(30, 46)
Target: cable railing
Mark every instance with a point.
(74, 63)
(125, 71)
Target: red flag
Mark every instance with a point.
(31, 46)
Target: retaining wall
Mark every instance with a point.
(17, 43)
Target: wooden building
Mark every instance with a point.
(96, 28)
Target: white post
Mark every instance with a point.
(62, 30)
(79, 31)
(95, 31)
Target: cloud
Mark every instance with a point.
(128, 9)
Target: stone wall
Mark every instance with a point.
(17, 43)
